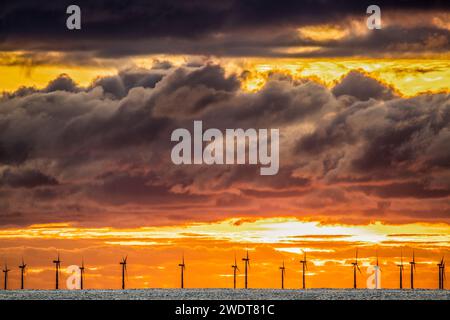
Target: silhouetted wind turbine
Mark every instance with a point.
(283, 272)
(400, 266)
(441, 266)
(123, 263)
(57, 263)
(377, 274)
(413, 268)
(5, 271)
(247, 265)
(22, 272)
(304, 268)
(81, 274)
(182, 266)
(355, 266)
(235, 268)
(443, 275)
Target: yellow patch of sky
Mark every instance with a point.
(408, 76)
(14, 77)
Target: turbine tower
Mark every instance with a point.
(5, 271)
(283, 272)
(247, 265)
(81, 274)
(377, 274)
(441, 266)
(57, 263)
(123, 263)
(413, 268)
(304, 268)
(355, 266)
(400, 267)
(235, 269)
(22, 272)
(182, 266)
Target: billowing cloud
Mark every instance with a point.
(354, 152)
(362, 87)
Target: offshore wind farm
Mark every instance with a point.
(235, 292)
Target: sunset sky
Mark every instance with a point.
(86, 118)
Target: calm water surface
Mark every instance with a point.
(227, 294)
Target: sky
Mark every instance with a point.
(86, 118)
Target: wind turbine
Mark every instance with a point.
(247, 265)
(283, 272)
(304, 268)
(400, 266)
(413, 268)
(443, 275)
(355, 266)
(377, 274)
(81, 274)
(22, 272)
(123, 263)
(5, 271)
(57, 263)
(235, 268)
(441, 266)
(182, 266)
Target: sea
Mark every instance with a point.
(226, 294)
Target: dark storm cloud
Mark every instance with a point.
(362, 87)
(119, 86)
(405, 190)
(400, 134)
(25, 178)
(106, 148)
(225, 27)
(388, 41)
(142, 189)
